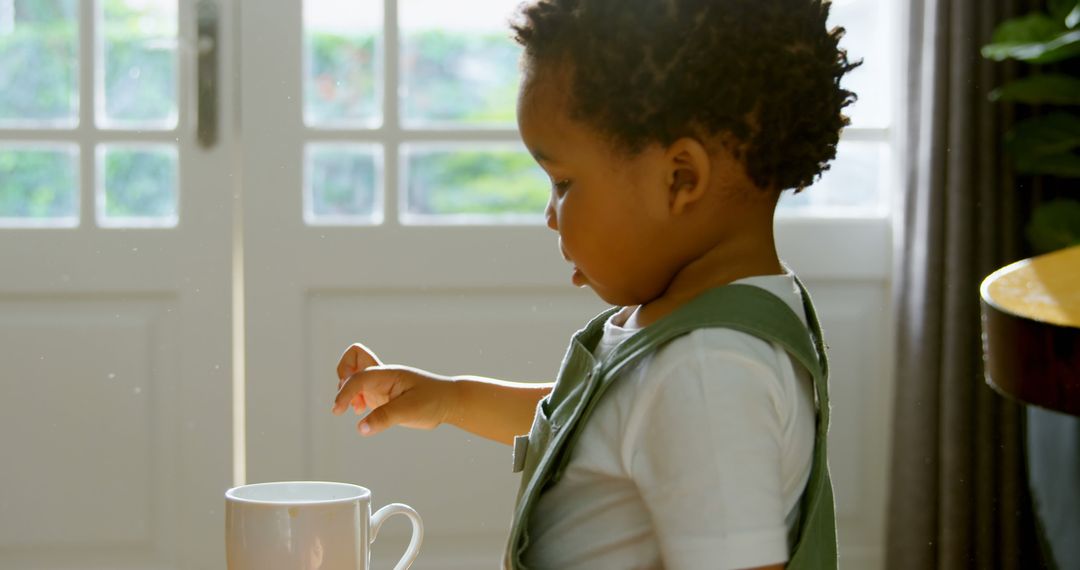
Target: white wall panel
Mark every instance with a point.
(86, 428)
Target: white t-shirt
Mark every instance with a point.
(696, 458)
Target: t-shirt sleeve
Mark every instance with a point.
(705, 452)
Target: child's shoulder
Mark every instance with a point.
(715, 347)
(705, 373)
(708, 349)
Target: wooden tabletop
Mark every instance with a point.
(1044, 288)
(1031, 330)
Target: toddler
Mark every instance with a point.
(687, 426)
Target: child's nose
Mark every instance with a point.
(549, 215)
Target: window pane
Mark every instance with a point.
(867, 25)
(499, 184)
(137, 186)
(343, 63)
(341, 184)
(39, 185)
(39, 83)
(139, 51)
(853, 184)
(459, 66)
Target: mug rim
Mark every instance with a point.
(361, 493)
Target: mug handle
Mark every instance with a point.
(390, 510)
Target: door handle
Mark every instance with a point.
(206, 45)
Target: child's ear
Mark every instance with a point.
(688, 174)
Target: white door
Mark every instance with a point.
(115, 287)
(388, 200)
(385, 199)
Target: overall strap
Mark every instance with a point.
(812, 323)
(817, 547)
(745, 308)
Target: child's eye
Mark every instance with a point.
(561, 187)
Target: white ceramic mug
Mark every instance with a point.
(308, 525)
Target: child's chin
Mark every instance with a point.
(612, 298)
(578, 278)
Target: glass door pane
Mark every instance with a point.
(39, 64)
(137, 52)
(459, 67)
(39, 185)
(343, 63)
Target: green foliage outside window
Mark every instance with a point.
(468, 182)
(140, 65)
(476, 183)
(344, 181)
(37, 184)
(437, 60)
(342, 72)
(38, 71)
(472, 182)
(140, 184)
(38, 81)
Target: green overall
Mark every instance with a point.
(543, 454)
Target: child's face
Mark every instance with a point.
(609, 210)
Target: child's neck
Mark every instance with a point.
(723, 263)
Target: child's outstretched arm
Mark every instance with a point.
(401, 395)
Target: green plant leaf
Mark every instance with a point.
(1047, 134)
(1063, 164)
(1064, 46)
(1035, 27)
(1046, 144)
(1055, 89)
(1054, 225)
(1059, 9)
(1073, 18)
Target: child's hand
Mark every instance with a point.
(396, 395)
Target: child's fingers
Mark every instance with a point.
(375, 385)
(356, 358)
(358, 403)
(386, 416)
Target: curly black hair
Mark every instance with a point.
(642, 71)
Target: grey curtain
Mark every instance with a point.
(958, 492)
